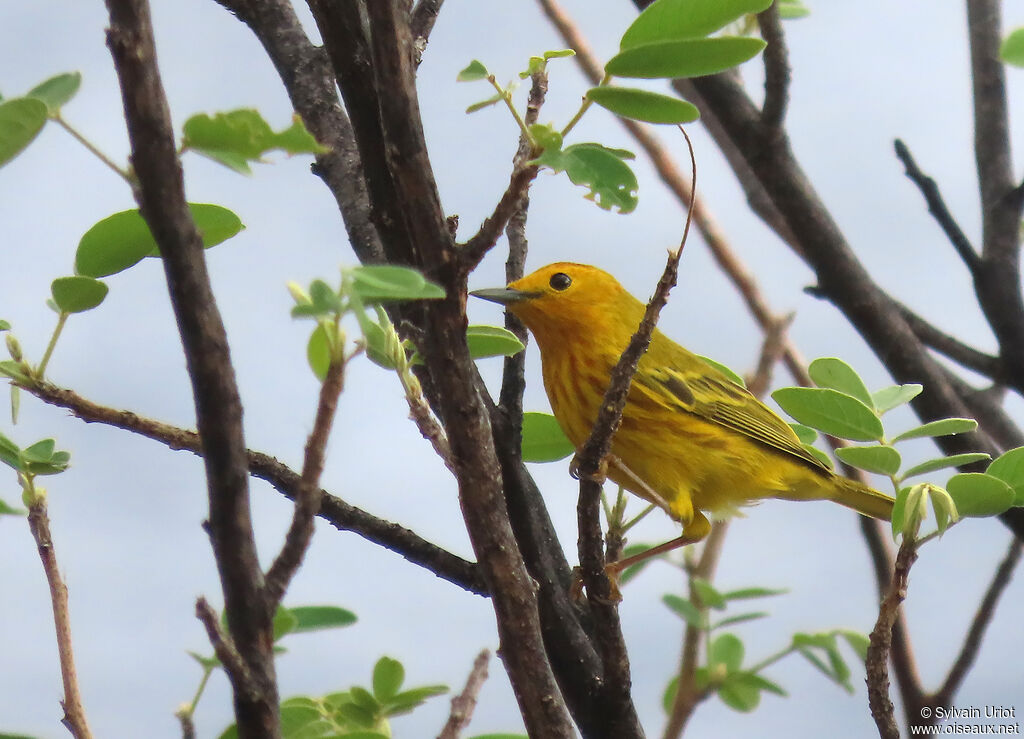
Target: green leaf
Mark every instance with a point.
(57, 91)
(745, 593)
(41, 451)
(77, 294)
(10, 453)
(819, 455)
(319, 618)
(708, 595)
(7, 510)
(124, 239)
(302, 722)
(284, 623)
(894, 396)
(15, 371)
(642, 105)
(668, 698)
(475, 71)
(363, 698)
(238, 137)
(4, 326)
(858, 642)
(942, 427)
(383, 282)
(739, 693)
(830, 411)
(500, 736)
(806, 434)
(388, 676)
(543, 439)
(941, 463)
(318, 352)
(683, 59)
(485, 103)
(978, 495)
(838, 375)
(727, 650)
(738, 619)
(1009, 467)
(1011, 50)
(792, 9)
(21, 120)
(880, 459)
(667, 20)
(207, 663)
(410, 699)
(685, 610)
(727, 371)
(611, 182)
(492, 341)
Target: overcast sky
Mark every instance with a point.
(126, 517)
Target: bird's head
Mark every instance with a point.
(563, 299)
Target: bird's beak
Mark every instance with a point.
(503, 295)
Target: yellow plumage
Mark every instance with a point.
(691, 439)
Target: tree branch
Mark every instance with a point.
(484, 240)
(464, 703)
(306, 73)
(937, 207)
(776, 68)
(951, 347)
(161, 196)
(334, 510)
(308, 494)
(74, 711)
(877, 662)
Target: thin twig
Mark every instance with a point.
(484, 240)
(424, 15)
(307, 497)
(982, 618)
(334, 510)
(776, 68)
(773, 346)
(938, 208)
(74, 712)
(877, 662)
(688, 695)
(465, 702)
(223, 647)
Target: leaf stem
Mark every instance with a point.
(506, 95)
(767, 661)
(587, 102)
(124, 173)
(40, 371)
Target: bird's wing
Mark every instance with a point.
(712, 396)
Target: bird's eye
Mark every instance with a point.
(560, 281)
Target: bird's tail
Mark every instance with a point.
(864, 500)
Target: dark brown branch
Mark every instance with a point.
(306, 74)
(464, 703)
(949, 346)
(308, 494)
(484, 240)
(982, 618)
(334, 510)
(591, 464)
(877, 663)
(424, 15)
(776, 68)
(74, 711)
(997, 280)
(376, 71)
(223, 647)
(937, 207)
(161, 196)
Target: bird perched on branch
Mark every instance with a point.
(691, 440)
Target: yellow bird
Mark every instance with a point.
(691, 440)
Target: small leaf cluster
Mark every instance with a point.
(724, 672)
(357, 713)
(843, 407)
(238, 137)
(670, 39)
(40, 458)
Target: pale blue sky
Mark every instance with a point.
(126, 516)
